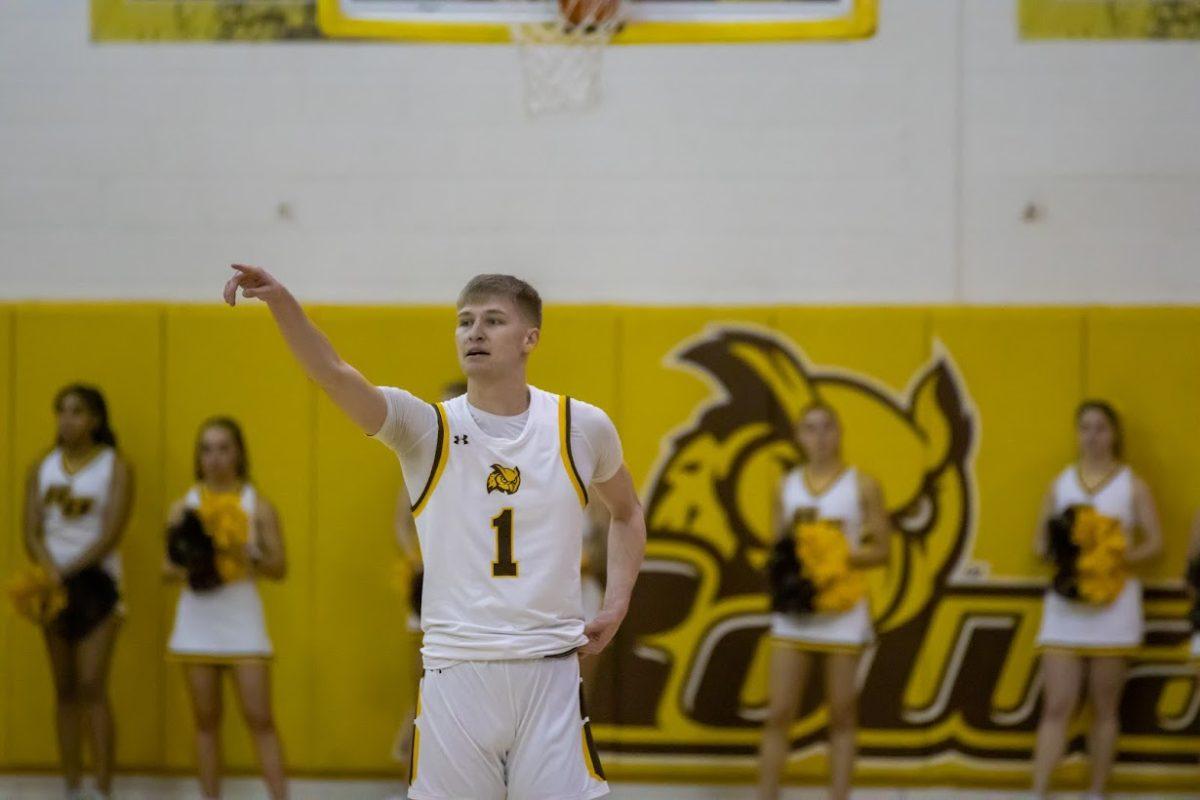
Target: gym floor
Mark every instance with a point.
(41, 787)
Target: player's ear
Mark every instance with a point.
(532, 337)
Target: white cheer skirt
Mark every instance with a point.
(848, 630)
(1086, 628)
(224, 624)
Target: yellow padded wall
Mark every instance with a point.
(361, 644)
(1144, 361)
(11, 550)
(1021, 368)
(888, 345)
(578, 355)
(342, 673)
(233, 361)
(119, 349)
(658, 398)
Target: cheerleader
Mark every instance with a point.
(820, 605)
(1097, 519)
(77, 502)
(219, 624)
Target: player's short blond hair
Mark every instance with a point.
(524, 296)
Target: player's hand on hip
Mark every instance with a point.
(254, 282)
(600, 631)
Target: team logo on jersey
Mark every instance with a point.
(70, 505)
(504, 479)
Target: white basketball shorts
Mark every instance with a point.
(504, 730)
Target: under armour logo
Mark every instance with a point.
(461, 439)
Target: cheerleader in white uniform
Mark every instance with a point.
(223, 629)
(825, 488)
(1077, 637)
(77, 502)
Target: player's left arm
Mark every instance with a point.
(872, 551)
(1149, 543)
(626, 548)
(116, 517)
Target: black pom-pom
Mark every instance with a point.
(190, 547)
(1065, 553)
(91, 596)
(790, 590)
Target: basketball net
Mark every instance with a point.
(561, 59)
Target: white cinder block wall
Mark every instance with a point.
(895, 170)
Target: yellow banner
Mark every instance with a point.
(203, 20)
(1110, 19)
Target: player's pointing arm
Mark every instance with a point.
(362, 401)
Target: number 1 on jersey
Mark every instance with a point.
(504, 566)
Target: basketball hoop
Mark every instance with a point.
(561, 58)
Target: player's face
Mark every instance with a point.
(493, 337)
(218, 455)
(820, 436)
(76, 422)
(1096, 435)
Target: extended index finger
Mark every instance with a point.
(230, 290)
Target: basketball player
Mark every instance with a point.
(222, 629)
(77, 502)
(824, 487)
(500, 478)
(1077, 637)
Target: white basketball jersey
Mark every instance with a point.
(1113, 498)
(839, 502)
(501, 527)
(73, 506)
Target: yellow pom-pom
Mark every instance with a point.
(227, 523)
(1101, 561)
(230, 567)
(824, 554)
(843, 594)
(224, 519)
(36, 596)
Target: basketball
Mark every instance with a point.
(589, 12)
